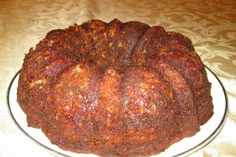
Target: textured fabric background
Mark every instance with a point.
(211, 25)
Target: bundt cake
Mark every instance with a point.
(114, 89)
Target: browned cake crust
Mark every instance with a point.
(115, 89)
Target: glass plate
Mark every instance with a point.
(184, 147)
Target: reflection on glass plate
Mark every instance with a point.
(182, 148)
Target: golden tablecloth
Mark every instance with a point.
(210, 24)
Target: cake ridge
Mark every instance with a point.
(114, 89)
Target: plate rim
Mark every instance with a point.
(213, 135)
(199, 146)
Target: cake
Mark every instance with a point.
(114, 89)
